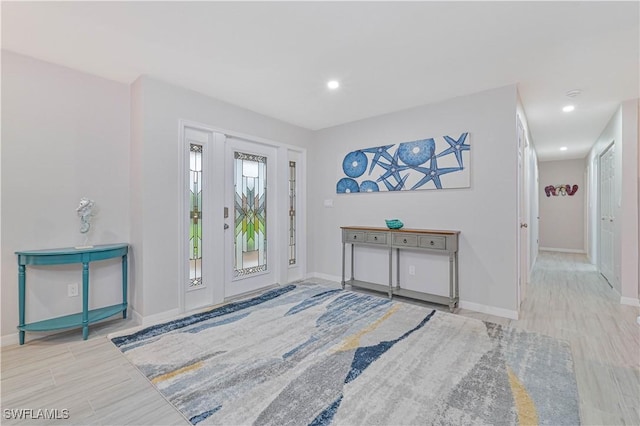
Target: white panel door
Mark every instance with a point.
(523, 215)
(607, 197)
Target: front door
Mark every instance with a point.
(227, 217)
(250, 261)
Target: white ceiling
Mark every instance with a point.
(276, 57)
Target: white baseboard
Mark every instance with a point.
(490, 310)
(155, 318)
(137, 318)
(328, 277)
(13, 339)
(631, 301)
(562, 250)
(9, 339)
(143, 322)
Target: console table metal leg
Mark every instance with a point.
(21, 286)
(352, 274)
(343, 253)
(452, 302)
(124, 286)
(398, 268)
(457, 295)
(390, 272)
(85, 300)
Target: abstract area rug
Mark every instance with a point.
(311, 354)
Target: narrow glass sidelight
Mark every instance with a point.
(195, 216)
(250, 214)
(292, 212)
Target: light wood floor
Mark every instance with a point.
(566, 299)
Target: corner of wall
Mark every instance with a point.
(136, 195)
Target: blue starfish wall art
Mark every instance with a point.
(433, 163)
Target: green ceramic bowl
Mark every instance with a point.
(394, 223)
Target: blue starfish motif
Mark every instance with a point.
(456, 147)
(379, 151)
(398, 187)
(392, 169)
(433, 173)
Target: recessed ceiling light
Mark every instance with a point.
(333, 84)
(568, 108)
(563, 148)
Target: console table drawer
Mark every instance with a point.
(358, 237)
(433, 242)
(405, 240)
(376, 238)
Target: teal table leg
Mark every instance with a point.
(85, 300)
(124, 285)
(22, 275)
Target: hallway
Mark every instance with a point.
(568, 299)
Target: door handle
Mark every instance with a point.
(524, 225)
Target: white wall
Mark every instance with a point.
(486, 213)
(65, 135)
(157, 108)
(629, 250)
(622, 129)
(562, 217)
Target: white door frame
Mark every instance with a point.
(284, 151)
(213, 267)
(523, 214)
(600, 218)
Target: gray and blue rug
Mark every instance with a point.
(313, 355)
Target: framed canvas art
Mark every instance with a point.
(433, 163)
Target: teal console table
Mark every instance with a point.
(65, 256)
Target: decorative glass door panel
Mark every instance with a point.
(195, 216)
(250, 214)
(201, 259)
(292, 212)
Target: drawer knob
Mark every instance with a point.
(404, 241)
(375, 238)
(431, 242)
(355, 237)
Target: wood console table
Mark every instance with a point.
(436, 241)
(65, 256)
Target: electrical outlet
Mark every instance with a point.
(72, 290)
(412, 270)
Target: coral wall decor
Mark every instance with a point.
(433, 163)
(560, 190)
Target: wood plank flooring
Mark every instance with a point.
(570, 300)
(566, 299)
